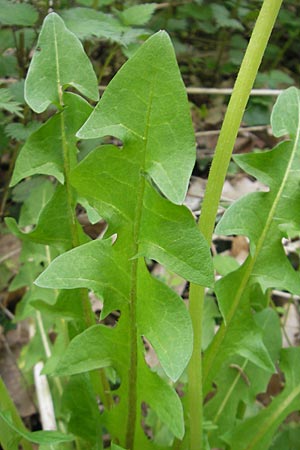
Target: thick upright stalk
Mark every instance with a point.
(233, 117)
(132, 374)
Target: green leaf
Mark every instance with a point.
(21, 132)
(137, 14)
(256, 433)
(262, 216)
(37, 437)
(152, 109)
(223, 19)
(7, 103)
(17, 90)
(113, 284)
(43, 152)
(119, 185)
(283, 124)
(53, 225)
(287, 437)
(21, 14)
(112, 352)
(174, 245)
(240, 380)
(68, 306)
(224, 264)
(35, 202)
(59, 61)
(86, 23)
(116, 447)
(80, 404)
(10, 438)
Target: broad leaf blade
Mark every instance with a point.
(59, 61)
(265, 217)
(116, 183)
(153, 108)
(256, 432)
(53, 225)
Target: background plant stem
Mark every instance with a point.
(232, 120)
(98, 378)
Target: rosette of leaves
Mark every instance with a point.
(138, 188)
(265, 218)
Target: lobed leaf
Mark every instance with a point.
(58, 61)
(10, 105)
(158, 139)
(43, 152)
(146, 102)
(256, 433)
(265, 218)
(241, 381)
(53, 225)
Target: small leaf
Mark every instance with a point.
(116, 447)
(86, 23)
(35, 202)
(59, 61)
(53, 225)
(21, 14)
(137, 14)
(21, 132)
(9, 438)
(289, 104)
(43, 152)
(240, 380)
(37, 437)
(255, 433)
(7, 103)
(80, 404)
(112, 282)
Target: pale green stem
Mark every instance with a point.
(133, 338)
(132, 372)
(229, 393)
(233, 117)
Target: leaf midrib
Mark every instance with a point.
(267, 226)
(57, 66)
(266, 425)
